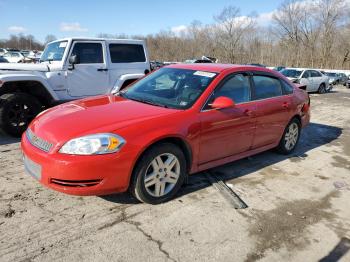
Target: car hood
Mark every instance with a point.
(93, 115)
(24, 67)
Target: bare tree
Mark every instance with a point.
(50, 38)
(230, 30)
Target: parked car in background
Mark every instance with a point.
(34, 56)
(342, 79)
(348, 82)
(12, 50)
(25, 53)
(279, 68)
(14, 57)
(176, 121)
(333, 78)
(256, 64)
(70, 68)
(3, 60)
(314, 80)
(2, 51)
(156, 65)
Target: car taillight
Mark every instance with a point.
(306, 107)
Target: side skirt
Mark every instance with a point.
(235, 157)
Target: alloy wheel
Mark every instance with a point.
(162, 175)
(291, 136)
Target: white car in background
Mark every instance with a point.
(14, 57)
(314, 80)
(2, 51)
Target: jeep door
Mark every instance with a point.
(89, 76)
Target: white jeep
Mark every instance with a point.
(69, 69)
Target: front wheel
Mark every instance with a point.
(17, 110)
(290, 137)
(322, 89)
(159, 174)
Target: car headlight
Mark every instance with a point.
(96, 144)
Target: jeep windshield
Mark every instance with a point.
(170, 87)
(54, 51)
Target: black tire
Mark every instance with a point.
(138, 188)
(322, 89)
(17, 110)
(282, 147)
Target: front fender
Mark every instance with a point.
(119, 83)
(6, 78)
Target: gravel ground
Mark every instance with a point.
(298, 208)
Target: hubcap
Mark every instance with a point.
(291, 136)
(162, 175)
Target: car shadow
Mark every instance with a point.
(313, 136)
(6, 139)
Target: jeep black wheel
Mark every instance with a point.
(17, 111)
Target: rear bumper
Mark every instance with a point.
(79, 175)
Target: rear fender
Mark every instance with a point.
(119, 83)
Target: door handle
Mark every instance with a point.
(102, 69)
(248, 112)
(285, 105)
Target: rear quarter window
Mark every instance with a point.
(287, 88)
(127, 53)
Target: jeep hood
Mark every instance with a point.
(24, 67)
(92, 115)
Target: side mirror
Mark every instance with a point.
(222, 102)
(73, 60)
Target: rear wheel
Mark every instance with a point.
(159, 174)
(290, 137)
(17, 111)
(322, 89)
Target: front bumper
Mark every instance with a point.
(79, 175)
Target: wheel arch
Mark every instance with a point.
(32, 87)
(176, 140)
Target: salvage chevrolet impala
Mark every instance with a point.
(177, 121)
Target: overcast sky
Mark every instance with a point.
(65, 18)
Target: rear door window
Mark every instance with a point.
(266, 87)
(315, 74)
(127, 53)
(306, 74)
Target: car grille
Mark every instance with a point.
(38, 142)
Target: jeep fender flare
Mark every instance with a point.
(119, 83)
(27, 78)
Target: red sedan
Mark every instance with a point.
(179, 120)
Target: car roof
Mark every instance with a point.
(217, 68)
(100, 39)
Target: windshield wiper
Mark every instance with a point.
(148, 102)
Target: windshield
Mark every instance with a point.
(170, 87)
(54, 51)
(331, 74)
(291, 73)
